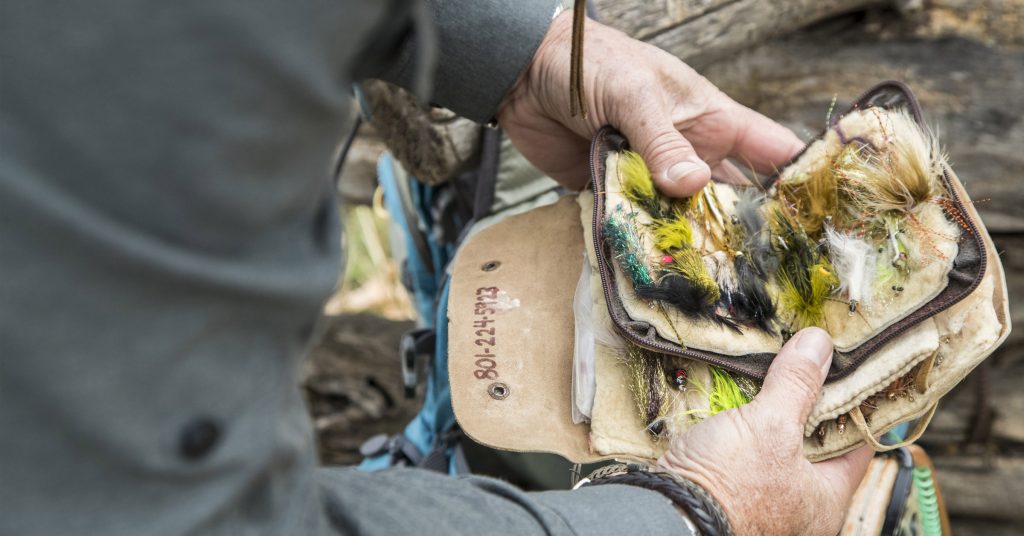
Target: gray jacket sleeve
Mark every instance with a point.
(483, 46)
(404, 500)
(168, 234)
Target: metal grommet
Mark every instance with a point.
(490, 266)
(498, 390)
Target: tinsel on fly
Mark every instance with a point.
(843, 228)
(838, 229)
(753, 304)
(624, 241)
(754, 261)
(726, 391)
(649, 386)
(684, 281)
(653, 378)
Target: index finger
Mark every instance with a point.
(762, 143)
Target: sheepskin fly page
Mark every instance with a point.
(854, 235)
(639, 316)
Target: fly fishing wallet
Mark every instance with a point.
(602, 325)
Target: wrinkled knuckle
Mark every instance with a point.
(663, 145)
(643, 80)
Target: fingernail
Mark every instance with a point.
(682, 170)
(817, 345)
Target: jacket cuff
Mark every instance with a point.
(483, 47)
(636, 510)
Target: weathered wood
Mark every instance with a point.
(1011, 354)
(950, 427)
(993, 22)
(353, 386)
(358, 178)
(701, 31)
(973, 96)
(642, 19)
(972, 490)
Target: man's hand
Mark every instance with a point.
(678, 121)
(751, 458)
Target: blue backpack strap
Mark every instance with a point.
(405, 201)
(427, 440)
(434, 220)
(432, 439)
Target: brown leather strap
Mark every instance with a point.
(865, 431)
(576, 96)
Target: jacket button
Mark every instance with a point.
(321, 222)
(198, 438)
(306, 332)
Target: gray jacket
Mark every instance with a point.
(167, 236)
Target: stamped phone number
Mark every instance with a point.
(485, 332)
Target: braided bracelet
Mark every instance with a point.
(702, 509)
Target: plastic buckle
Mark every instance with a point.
(374, 446)
(399, 449)
(413, 345)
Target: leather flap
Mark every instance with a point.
(511, 331)
(510, 325)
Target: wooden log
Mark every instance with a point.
(702, 31)
(972, 490)
(352, 384)
(973, 96)
(951, 425)
(643, 20)
(358, 178)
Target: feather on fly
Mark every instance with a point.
(854, 260)
(806, 277)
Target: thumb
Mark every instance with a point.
(795, 377)
(675, 167)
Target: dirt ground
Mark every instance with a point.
(353, 384)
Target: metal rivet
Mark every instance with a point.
(498, 390)
(490, 266)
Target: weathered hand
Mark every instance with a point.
(751, 458)
(677, 120)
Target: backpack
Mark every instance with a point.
(432, 220)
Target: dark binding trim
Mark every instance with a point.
(968, 269)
